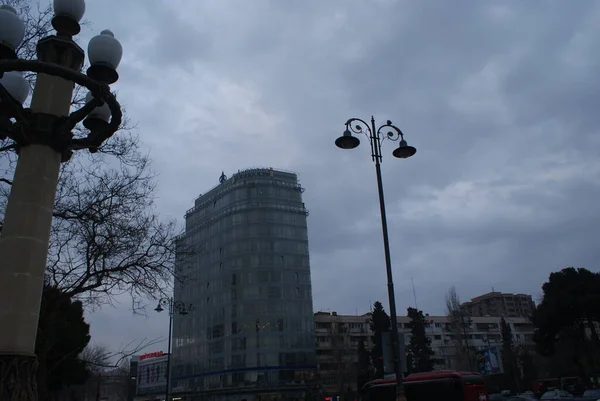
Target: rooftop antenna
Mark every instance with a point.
(414, 293)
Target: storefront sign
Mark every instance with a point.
(151, 355)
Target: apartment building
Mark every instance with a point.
(337, 338)
(500, 304)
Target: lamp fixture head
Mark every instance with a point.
(104, 53)
(347, 141)
(67, 14)
(404, 151)
(12, 32)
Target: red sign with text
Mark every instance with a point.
(151, 355)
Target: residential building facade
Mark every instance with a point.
(337, 338)
(500, 304)
(251, 331)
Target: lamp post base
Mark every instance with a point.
(18, 377)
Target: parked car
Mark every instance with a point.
(556, 395)
(592, 394)
(523, 397)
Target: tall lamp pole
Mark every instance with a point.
(376, 137)
(42, 137)
(172, 307)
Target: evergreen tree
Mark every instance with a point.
(363, 371)
(567, 318)
(62, 335)
(419, 347)
(508, 353)
(380, 323)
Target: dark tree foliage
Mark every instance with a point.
(419, 347)
(62, 336)
(507, 337)
(567, 317)
(363, 368)
(106, 238)
(380, 323)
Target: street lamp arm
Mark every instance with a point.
(358, 128)
(394, 134)
(77, 116)
(64, 141)
(166, 302)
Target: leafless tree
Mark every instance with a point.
(99, 358)
(457, 324)
(107, 238)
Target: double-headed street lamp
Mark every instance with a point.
(376, 136)
(42, 136)
(172, 307)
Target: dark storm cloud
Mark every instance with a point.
(500, 99)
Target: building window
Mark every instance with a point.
(233, 279)
(437, 337)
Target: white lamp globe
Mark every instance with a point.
(104, 53)
(12, 28)
(102, 112)
(73, 9)
(16, 85)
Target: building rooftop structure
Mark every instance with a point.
(500, 304)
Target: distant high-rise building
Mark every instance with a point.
(251, 330)
(500, 304)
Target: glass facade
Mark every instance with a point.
(251, 329)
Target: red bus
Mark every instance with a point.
(447, 385)
(573, 385)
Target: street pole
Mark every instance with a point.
(376, 149)
(375, 137)
(183, 310)
(26, 231)
(168, 390)
(42, 137)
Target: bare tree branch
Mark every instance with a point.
(98, 357)
(456, 328)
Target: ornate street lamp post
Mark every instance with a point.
(42, 137)
(172, 307)
(376, 137)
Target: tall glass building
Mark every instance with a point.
(250, 334)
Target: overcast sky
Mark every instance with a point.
(500, 98)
